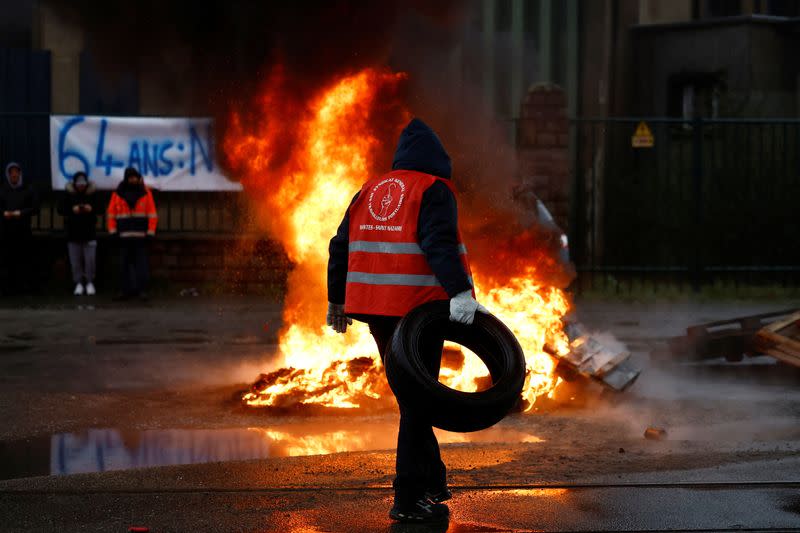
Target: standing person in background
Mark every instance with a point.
(79, 209)
(18, 205)
(133, 218)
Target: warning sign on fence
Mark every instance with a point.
(642, 137)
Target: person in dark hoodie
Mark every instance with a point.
(398, 247)
(79, 209)
(132, 216)
(19, 203)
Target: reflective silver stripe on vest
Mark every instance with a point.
(380, 247)
(413, 280)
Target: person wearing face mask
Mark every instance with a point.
(79, 209)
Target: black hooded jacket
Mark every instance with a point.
(419, 149)
(22, 198)
(81, 227)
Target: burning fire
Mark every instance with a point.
(335, 143)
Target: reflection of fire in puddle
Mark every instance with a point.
(100, 450)
(528, 493)
(382, 436)
(487, 437)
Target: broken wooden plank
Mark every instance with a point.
(781, 339)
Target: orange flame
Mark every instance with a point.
(301, 194)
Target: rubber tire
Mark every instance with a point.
(450, 409)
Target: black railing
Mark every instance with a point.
(711, 201)
(178, 212)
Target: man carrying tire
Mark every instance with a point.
(398, 247)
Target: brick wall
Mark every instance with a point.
(237, 265)
(219, 264)
(543, 149)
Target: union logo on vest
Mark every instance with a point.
(386, 198)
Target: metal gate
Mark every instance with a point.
(706, 201)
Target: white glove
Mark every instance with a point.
(463, 307)
(337, 319)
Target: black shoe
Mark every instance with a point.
(121, 298)
(421, 510)
(143, 297)
(438, 495)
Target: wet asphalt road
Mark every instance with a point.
(700, 507)
(60, 374)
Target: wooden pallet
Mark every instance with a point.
(730, 338)
(781, 339)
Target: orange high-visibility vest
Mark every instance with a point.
(140, 221)
(387, 273)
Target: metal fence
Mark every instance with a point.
(25, 138)
(712, 201)
(178, 212)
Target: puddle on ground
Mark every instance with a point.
(101, 450)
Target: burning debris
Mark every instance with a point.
(593, 358)
(300, 196)
(343, 384)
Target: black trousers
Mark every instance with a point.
(18, 263)
(133, 259)
(419, 465)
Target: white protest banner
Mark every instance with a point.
(172, 154)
